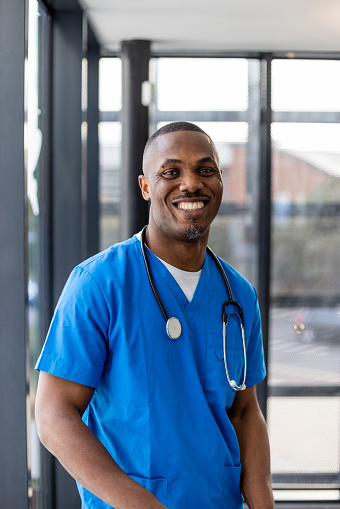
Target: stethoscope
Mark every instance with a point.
(173, 325)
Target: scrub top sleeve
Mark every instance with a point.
(76, 343)
(256, 370)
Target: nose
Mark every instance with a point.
(190, 182)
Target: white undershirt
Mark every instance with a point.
(186, 280)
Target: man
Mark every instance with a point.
(141, 420)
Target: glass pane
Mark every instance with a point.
(306, 198)
(109, 181)
(304, 434)
(202, 84)
(305, 85)
(110, 84)
(304, 347)
(233, 234)
(304, 328)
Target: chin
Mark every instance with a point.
(194, 231)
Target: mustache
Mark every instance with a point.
(188, 195)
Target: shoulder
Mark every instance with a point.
(105, 270)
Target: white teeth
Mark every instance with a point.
(185, 205)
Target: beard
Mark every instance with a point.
(193, 232)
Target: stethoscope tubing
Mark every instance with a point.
(225, 316)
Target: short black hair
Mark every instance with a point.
(172, 128)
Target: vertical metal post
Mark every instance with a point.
(13, 284)
(67, 182)
(135, 69)
(92, 180)
(67, 178)
(265, 216)
(45, 217)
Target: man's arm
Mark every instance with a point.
(247, 419)
(60, 405)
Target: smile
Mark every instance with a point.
(186, 205)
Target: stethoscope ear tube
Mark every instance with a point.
(153, 288)
(232, 302)
(173, 325)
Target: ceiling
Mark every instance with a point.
(218, 25)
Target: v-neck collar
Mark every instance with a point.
(189, 309)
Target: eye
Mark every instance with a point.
(207, 170)
(170, 173)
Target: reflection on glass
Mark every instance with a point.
(202, 84)
(305, 85)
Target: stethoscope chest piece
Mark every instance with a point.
(173, 328)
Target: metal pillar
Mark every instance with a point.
(13, 457)
(67, 181)
(67, 178)
(265, 217)
(92, 177)
(135, 65)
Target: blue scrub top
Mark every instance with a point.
(160, 405)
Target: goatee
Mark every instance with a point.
(193, 232)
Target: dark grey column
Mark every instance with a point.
(92, 180)
(13, 456)
(135, 64)
(265, 217)
(67, 179)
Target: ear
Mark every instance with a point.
(144, 186)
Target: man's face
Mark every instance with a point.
(183, 180)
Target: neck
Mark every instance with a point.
(184, 254)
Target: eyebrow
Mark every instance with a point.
(207, 159)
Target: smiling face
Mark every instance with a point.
(183, 181)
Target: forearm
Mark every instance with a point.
(86, 459)
(253, 441)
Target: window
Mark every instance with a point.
(304, 343)
(110, 103)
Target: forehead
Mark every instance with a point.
(183, 145)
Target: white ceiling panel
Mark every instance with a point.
(230, 25)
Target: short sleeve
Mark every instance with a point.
(76, 343)
(256, 370)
